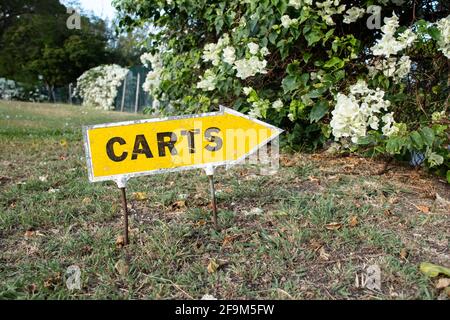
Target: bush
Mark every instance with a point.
(318, 69)
(98, 86)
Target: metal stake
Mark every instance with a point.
(125, 215)
(210, 173)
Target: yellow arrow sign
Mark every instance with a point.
(119, 151)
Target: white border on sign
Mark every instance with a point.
(121, 179)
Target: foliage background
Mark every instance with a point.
(339, 53)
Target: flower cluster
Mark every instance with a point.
(361, 110)
(98, 86)
(388, 48)
(353, 14)
(8, 89)
(328, 8)
(444, 41)
(223, 52)
(389, 45)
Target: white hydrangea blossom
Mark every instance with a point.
(444, 42)
(355, 113)
(353, 14)
(98, 86)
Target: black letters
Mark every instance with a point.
(191, 140)
(110, 149)
(162, 144)
(214, 139)
(140, 140)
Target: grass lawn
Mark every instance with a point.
(306, 232)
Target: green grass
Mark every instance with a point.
(285, 252)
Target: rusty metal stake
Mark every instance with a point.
(125, 215)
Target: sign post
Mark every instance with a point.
(120, 151)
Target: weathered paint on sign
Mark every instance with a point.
(123, 150)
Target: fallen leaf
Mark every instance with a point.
(53, 281)
(432, 270)
(443, 283)
(353, 221)
(424, 209)
(323, 254)
(120, 242)
(29, 233)
(200, 223)
(314, 179)
(333, 226)
(63, 143)
(140, 196)
(43, 178)
(404, 254)
(228, 240)
(178, 205)
(213, 266)
(86, 201)
(122, 267)
(208, 297)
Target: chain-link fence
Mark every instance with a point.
(130, 96)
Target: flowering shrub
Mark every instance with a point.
(11, 90)
(369, 77)
(98, 86)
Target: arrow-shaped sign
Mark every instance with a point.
(119, 151)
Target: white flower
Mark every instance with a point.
(407, 38)
(286, 21)
(353, 14)
(249, 67)
(247, 90)
(358, 111)
(98, 86)
(207, 82)
(277, 105)
(253, 47)
(444, 41)
(403, 68)
(229, 55)
(291, 117)
(264, 51)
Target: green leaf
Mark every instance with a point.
(332, 62)
(433, 270)
(319, 110)
(313, 37)
(416, 139)
(434, 33)
(427, 135)
(448, 176)
(289, 83)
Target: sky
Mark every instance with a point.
(101, 8)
